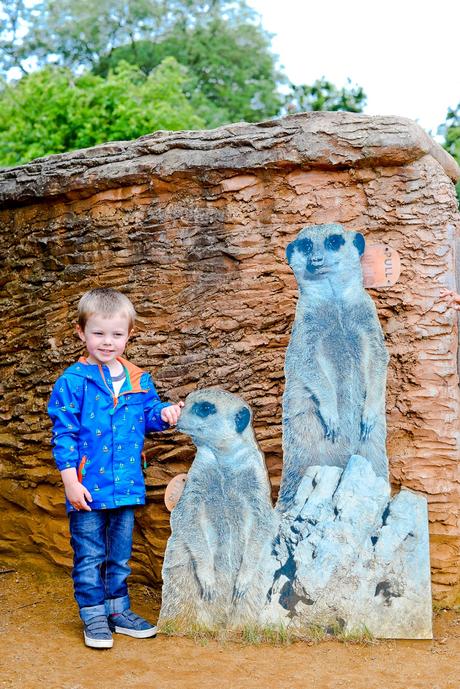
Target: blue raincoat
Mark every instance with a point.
(102, 435)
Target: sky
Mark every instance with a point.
(404, 53)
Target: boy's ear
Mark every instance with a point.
(80, 333)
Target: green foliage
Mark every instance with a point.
(14, 52)
(96, 72)
(75, 34)
(232, 70)
(323, 95)
(51, 111)
(451, 131)
(231, 67)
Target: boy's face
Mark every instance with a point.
(105, 337)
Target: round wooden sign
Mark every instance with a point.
(381, 266)
(174, 491)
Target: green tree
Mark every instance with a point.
(72, 34)
(113, 69)
(221, 42)
(14, 51)
(231, 66)
(51, 111)
(323, 95)
(451, 132)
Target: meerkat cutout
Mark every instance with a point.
(336, 361)
(224, 523)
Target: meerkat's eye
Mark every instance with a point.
(305, 245)
(204, 409)
(334, 242)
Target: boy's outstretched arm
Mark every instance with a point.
(159, 416)
(171, 414)
(452, 298)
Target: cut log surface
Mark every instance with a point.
(193, 226)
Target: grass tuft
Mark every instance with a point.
(275, 634)
(361, 635)
(255, 634)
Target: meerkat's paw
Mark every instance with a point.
(331, 424)
(242, 583)
(368, 421)
(207, 585)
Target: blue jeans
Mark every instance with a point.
(101, 542)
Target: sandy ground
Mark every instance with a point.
(41, 647)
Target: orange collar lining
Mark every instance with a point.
(135, 373)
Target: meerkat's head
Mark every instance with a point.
(216, 419)
(322, 252)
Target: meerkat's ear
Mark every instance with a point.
(359, 242)
(242, 418)
(289, 250)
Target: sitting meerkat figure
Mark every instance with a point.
(224, 523)
(336, 361)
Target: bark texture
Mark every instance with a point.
(193, 227)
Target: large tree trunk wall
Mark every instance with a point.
(193, 227)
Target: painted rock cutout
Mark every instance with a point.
(174, 491)
(381, 266)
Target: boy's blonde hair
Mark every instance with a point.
(107, 302)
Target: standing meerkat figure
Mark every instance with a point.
(336, 361)
(224, 522)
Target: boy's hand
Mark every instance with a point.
(76, 493)
(171, 414)
(451, 297)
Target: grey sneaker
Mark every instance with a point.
(127, 622)
(97, 632)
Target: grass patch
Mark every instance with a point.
(200, 633)
(277, 635)
(443, 607)
(169, 628)
(362, 635)
(255, 634)
(314, 633)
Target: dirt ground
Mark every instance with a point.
(41, 647)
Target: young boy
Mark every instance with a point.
(101, 407)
